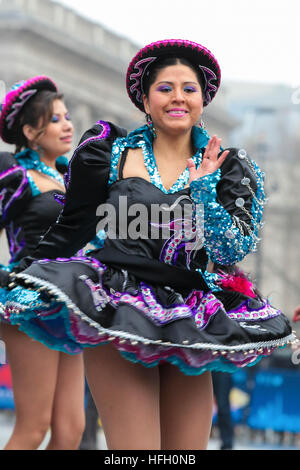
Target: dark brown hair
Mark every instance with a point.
(37, 111)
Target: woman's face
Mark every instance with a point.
(56, 139)
(175, 100)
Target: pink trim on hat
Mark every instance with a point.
(14, 94)
(138, 61)
(173, 42)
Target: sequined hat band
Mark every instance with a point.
(16, 98)
(195, 53)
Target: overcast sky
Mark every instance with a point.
(255, 40)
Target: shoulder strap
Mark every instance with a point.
(122, 162)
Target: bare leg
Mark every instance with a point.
(34, 372)
(67, 421)
(186, 406)
(89, 436)
(127, 398)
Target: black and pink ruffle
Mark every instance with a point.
(148, 324)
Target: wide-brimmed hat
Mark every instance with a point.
(16, 98)
(202, 59)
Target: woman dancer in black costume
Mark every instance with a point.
(48, 385)
(153, 322)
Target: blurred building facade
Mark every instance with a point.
(87, 61)
(269, 116)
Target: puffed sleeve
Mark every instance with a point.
(86, 188)
(229, 206)
(15, 191)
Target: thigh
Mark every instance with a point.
(186, 409)
(34, 371)
(68, 405)
(127, 398)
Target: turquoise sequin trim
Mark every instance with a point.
(227, 239)
(211, 280)
(3, 290)
(34, 189)
(35, 300)
(98, 240)
(37, 334)
(10, 267)
(30, 160)
(142, 138)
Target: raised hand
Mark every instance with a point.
(210, 162)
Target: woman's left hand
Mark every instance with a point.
(210, 161)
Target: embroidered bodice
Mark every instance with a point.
(225, 208)
(142, 138)
(26, 213)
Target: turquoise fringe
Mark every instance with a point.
(219, 365)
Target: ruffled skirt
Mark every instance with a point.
(4, 272)
(70, 304)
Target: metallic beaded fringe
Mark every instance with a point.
(123, 337)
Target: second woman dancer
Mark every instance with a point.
(48, 385)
